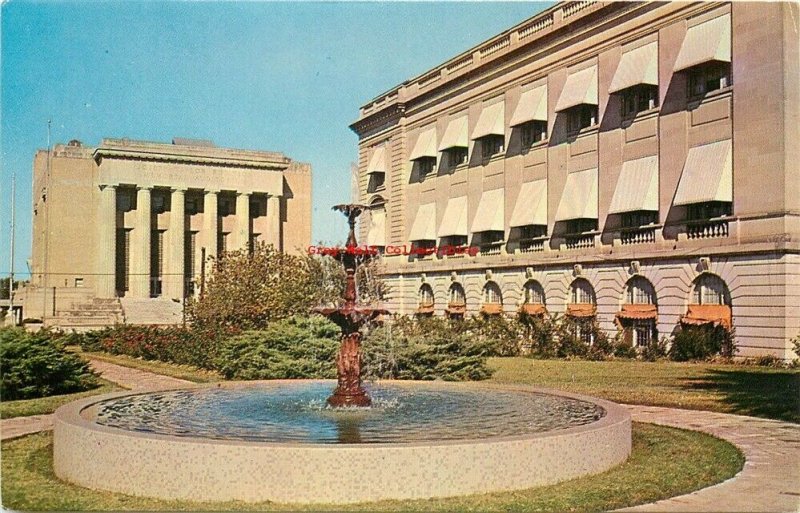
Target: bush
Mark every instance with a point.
(655, 350)
(298, 347)
(701, 342)
(425, 349)
(35, 365)
(540, 333)
(500, 335)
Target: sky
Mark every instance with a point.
(276, 76)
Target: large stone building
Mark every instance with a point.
(633, 163)
(121, 230)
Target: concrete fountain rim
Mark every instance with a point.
(77, 414)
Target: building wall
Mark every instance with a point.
(758, 113)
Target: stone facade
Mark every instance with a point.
(651, 140)
(133, 219)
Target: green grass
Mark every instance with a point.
(728, 388)
(186, 372)
(665, 462)
(42, 405)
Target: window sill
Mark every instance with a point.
(694, 101)
(584, 131)
(628, 120)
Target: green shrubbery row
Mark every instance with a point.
(36, 365)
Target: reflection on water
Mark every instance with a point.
(297, 412)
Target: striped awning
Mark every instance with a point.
(637, 187)
(707, 174)
(579, 200)
(533, 309)
(376, 236)
(491, 121)
(532, 106)
(424, 226)
(425, 145)
(718, 315)
(707, 42)
(581, 310)
(580, 89)
(638, 66)
(638, 312)
(454, 222)
(455, 136)
(491, 212)
(377, 163)
(531, 205)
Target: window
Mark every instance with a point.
(642, 332)
(580, 117)
(584, 330)
(457, 297)
(452, 242)
(156, 261)
(534, 293)
(226, 206)
(638, 99)
(533, 132)
(710, 289)
(582, 292)
(708, 77)
(456, 156)
(189, 259)
(194, 204)
(258, 207)
(426, 165)
(492, 145)
(640, 292)
(423, 248)
(79, 282)
(490, 241)
(376, 182)
(708, 210)
(426, 296)
(159, 202)
(639, 218)
(532, 231)
(581, 225)
(222, 242)
(492, 294)
(124, 200)
(123, 263)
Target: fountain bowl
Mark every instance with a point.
(191, 467)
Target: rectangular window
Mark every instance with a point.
(456, 156)
(226, 207)
(426, 165)
(492, 145)
(156, 262)
(159, 202)
(124, 200)
(533, 132)
(708, 77)
(123, 262)
(194, 204)
(376, 182)
(580, 117)
(189, 257)
(639, 218)
(581, 225)
(79, 282)
(638, 99)
(708, 210)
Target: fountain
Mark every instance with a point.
(350, 318)
(291, 441)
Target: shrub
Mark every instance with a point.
(425, 349)
(35, 365)
(540, 334)
(298, 347)
(701, 342)
(655, 350)
(500, 335)
(623, 348)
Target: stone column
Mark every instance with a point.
(140, 245)
(106, 247)
(210, 222)
(274, 235)
(242, 233)
(174, 268)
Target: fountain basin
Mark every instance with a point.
(153, 457)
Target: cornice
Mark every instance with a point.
(270, 164)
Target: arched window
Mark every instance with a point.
(640, 292)
(534, 293)
(426, 296)
(457, 297)
(376, 234)
(582, 292)
(710, 289)
(492, 294)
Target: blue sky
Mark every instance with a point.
(285, 76)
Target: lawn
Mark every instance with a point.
(744, 390)
(665, 462)
(42, 405)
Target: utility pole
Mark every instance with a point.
(46, 227)
(11, 263)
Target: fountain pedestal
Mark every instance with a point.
(349, 391)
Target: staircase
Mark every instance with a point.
(89, 314)
(158, 311)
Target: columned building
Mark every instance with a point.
(139, 220)
(631, 163)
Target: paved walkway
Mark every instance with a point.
(770, 479)
(132, 379)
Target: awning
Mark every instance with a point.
(377, 163)
(718, 315)
(456, 309)
(533, 309)
(491, 214)
(425, 309)
(491, 122)
(425, 145)
(492, 308)
(637, 66)
(424, 227)
(637, 187)
(635, 311)
(581, 88)
(706, 42)
(376, 236)
(532, 106)
(531, 205)
(579, 200)
(455, 136)
(581, 310)
(454, 221)
(707, 174)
